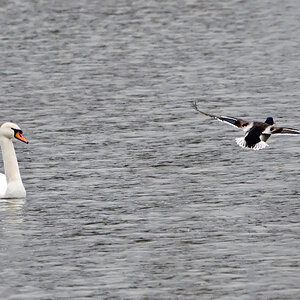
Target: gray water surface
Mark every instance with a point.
(131, 194)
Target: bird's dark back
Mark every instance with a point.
(253, 137)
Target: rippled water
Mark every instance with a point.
(130, 193)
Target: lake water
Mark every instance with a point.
(131, 194)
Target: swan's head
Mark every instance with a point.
(11, 130)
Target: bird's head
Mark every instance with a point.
(11, 130)
(270, 121)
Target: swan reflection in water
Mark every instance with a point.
(12, 210)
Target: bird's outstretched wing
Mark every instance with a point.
(284, 131)
(235, 122)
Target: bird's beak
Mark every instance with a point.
(20, 137)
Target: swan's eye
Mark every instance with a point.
(272, 128)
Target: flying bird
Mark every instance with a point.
(256, 133)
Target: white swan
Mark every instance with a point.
(11, 185)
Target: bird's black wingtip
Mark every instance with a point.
(194, 105)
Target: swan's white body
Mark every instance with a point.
(3, 185)
(11, 185)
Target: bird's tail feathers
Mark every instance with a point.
(260, 145)
(242, 143)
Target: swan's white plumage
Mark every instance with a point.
(3, 185)
(11, 185)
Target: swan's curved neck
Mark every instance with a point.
(10, 161)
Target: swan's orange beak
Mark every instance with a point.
(19, 136)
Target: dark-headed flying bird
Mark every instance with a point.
(256, 133)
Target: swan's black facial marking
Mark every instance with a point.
(17, 130)
(18, 135)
